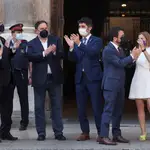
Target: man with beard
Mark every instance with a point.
(45, 52)
(113, 86)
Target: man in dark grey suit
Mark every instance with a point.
(45, 52)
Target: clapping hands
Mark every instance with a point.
(136, 52)
(51, 48)
(69, 41)
(74, 39)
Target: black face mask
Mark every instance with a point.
(126, 45)
(44, 34)
(124, 40)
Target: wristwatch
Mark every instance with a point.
(143, 50)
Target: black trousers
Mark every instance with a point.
(20, 80)
(6, 108)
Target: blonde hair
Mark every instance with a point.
(147, 37)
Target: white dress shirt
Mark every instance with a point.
(45, 46)
(116, 46)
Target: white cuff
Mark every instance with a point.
(43, 54)
(132, 56)
(79, 44)
(71, 49)
(54, 53)
(0, 57)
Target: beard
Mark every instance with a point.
(118, 41)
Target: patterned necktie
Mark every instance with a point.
(84, 41)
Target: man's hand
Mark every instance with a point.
(30, 81)
(1, 51)
(75, 38)
(51, 48)
(69, 41)
(136, 52)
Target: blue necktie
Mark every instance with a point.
(84, 41)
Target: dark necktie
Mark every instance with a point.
(119, 49)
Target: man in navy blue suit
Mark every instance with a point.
(45, 52)
(113, 86)
(85, 53)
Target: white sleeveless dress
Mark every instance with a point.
(140, 86)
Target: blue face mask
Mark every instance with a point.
(1, 44)
(19, 36)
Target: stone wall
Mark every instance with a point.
(1, 11)
(26, 12)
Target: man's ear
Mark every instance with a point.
(90, 28)
(35, 31)
(114, 39)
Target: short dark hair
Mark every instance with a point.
(39, 22)
(114, 32)
(16, 31)
(86, 20)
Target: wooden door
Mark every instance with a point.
(57, 20)
(57, 17)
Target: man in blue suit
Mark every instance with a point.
(45, 52)
(113, 86)
(85, 53)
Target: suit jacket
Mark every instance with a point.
(19, 61)
(114, 64)
(87, 57)
(40, 63)
(5, 70)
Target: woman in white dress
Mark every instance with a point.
(140, 86)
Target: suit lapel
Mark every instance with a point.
(49, 41)
(118, 53)
(90, 40)
(39, 44)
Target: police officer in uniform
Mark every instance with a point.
(5, 87)
(20, 66)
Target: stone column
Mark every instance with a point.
(26, 12)
(41, 10)
(12, 13)
(1, 11)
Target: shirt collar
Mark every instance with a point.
(115, 45)
(87, 37)
(44, 42)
